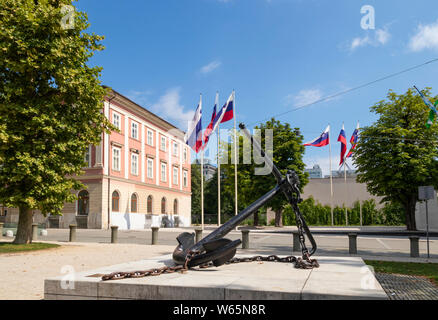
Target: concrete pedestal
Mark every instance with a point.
(336, 278)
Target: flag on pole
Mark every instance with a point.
(433, 111)
(353, 141)
(343, 140)
(193, 137)
(209, 130)
(322, 140)
(225, 113)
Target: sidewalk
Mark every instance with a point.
(22, 274)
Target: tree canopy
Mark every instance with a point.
(287, 154)
(397, 153)
(50, 105)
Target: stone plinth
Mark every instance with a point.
(337, 278)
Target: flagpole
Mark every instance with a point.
(218, 180)
(235, 152)
(346, 190)
(331, 178)
(202, 183)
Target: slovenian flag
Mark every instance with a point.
(225, 113)
(353, 140)
(322, 140)
(433, 111)
(343, 140)
(193, 136)
(209, 130)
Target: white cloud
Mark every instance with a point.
(169, 107)
(210, 67)
(381, 37)
(140, 97)
(304, 97)
(425, 38)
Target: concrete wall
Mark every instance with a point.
(343, 193)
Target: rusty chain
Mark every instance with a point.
(300, 263)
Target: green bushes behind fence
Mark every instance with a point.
(317, 214)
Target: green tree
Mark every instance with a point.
(50, 106)
(397, 153)
(196, 192)
(287, 154)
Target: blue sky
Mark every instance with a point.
(276, 54)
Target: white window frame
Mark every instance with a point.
(185, 155)
(150, 168)
(175, 175)
(134, 156)
(117, 125)
(134, 130)
(88, 153)
(163, 171)
(150, 134)
(163, 146)
(185, 181)
(119, 150)
(175, 148)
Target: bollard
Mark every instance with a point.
(72, 237)
(198, 232)
(34, 231)
(352, 243)
(114, 234)
(296, 242)
(155, 235)
(245, 239)
(415, 251)
(1, 229)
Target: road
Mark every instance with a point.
(389, 246)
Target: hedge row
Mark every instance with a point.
(318, 214)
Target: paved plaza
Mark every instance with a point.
(22, 274)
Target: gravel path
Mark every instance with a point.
(22, 274)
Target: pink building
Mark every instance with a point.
(136, 178)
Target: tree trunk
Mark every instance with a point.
(410, 213)
(24, 230)
(256, 218)
(278, 220)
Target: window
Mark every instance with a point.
(163, 172)
(134, 164)
(175, 149)
(134, 130)
(185, 178)
(116, 158)
(150, 168)
(115, 201)
(185, 154)
(175, 175)
(83, 203)
(163, 143)
(116, 120)
(175, 206)
(87, 157)
(150, 138)
(163, 205)
(149, 204)
(134, 203)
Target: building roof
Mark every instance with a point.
(118, 97)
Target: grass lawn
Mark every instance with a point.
(8, 247)
(429, 270)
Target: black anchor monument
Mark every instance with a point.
(218, 250)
